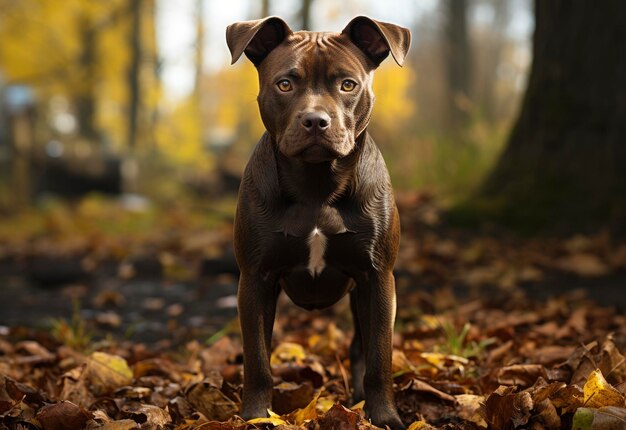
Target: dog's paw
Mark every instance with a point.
(251, 411)
(387, 419)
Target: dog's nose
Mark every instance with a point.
(316, 122)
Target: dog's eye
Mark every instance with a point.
(348, 85)
(284, 85)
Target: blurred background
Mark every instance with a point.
(139, 97)
(124, 132)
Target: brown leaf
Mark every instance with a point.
(605, 418)
(289, 396)
(291, 372)
(62, 416)
(568, 398)
(75, 389)
(523, 375)
(35, 353)
(339, 418)
(220, 354)
(149, 416)
(120, 425)
(468, 408)
(209, 400)
(504, 409)
(420, 386)
(583, 264)
(180, 409)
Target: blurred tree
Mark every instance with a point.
(305, 15)
(457, 61)
(563, 167)
(491, 43)
(134, 71)
(199, 49)
(265, 8)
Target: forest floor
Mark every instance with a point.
(114, 318)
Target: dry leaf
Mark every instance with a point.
(62, 416)
(469, 407)
(605, 418)
(209, 400)
(107, 372)
(287, 352)
(289, 396)
(599, 393)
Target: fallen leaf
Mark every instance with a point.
(211, 401)
(523, 375)
(420, 425)
(300, 416)
(583, 264)
(504, 409)
(106, 372)
(605, 418)
(63, 415)
(599, 393)
(339, 418)
(289, 396)
(420, 386)
(149, 416)
(287, 352)
(468, 408)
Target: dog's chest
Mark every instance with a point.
(313, 239)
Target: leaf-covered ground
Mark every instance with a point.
(492, 332)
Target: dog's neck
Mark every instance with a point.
(317, 183)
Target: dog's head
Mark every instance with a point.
(316, 88)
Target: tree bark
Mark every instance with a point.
(305, 14)
(265, 8)
(564, 167)
(457, 62)
(133, 72)
(86, 97)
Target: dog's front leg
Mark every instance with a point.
(376, 303)
(257, 307)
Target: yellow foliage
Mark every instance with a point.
(287, 352)
(394, 104)
(179, 136)
(598, 392)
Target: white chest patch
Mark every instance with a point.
(317, 247)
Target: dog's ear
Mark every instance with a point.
(256, 38)
(376, 39)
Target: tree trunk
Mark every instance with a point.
(265, 8)
(564, 168)
(305, 14)
(199, 51)
(86, 98)
(457, 62)
(133, 72)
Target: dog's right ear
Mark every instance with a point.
(256, 38)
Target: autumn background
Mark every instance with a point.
(123, 135)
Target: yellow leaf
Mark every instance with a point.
(598, 393)
(360, 405)
(324, 404)
(309, 412)
(107, 372)
(419, 425)
(287, 352)
(269, 420)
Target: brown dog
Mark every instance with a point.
(316, 215)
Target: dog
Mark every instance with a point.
(316, 216)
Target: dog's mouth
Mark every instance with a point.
(317, 153)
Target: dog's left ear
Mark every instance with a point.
(376, 39)
(256, 38)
